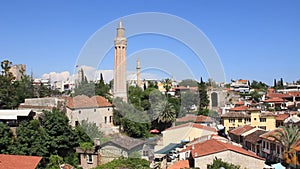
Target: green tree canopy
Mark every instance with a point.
(219, 163)
(30, 139)
(132, 163)
(61, 139)
(188, 82)
(6, 138)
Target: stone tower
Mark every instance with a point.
(138, 72)
(120, 88)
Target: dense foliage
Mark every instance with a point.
(51, 135)
(288, 137)
(84, 87)
(126, 163)
(13, 92)
(218, 163)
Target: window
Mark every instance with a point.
(247, 120)
(254, 118)
(187, 154)
(145, 153)
(267, 145)
(76, 123)
(272, 146)
(79, 111)
(278, 150)
(105, 119)
(264, 144)
(231, 120)
(240, 120)
(94, 110)
(262, 119)
(262, 127)
(89, 158)
(110, 119)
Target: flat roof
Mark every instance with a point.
(167, 149)
(13, 114)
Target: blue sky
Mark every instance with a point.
(254, 39)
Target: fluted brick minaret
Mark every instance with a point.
(120, 88)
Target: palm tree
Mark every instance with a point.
(167, 84)
(288, 137)
(168, 114)
(5, 65)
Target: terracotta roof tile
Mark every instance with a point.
(267, 114)
(213, 146)
(274, 99)
(187, 118)
(239, 108)
(278, 95)
(18, 161)
(240, 103)
(242, 81)
(199, 126)
(236, 114)
(180, 164)
(203, 119)
(282, 117)
(83, 101)
(267, 135)
(240, 130)
(254, 137)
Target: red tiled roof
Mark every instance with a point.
(254, 137)
(213, 146)
(267, 135)
(280, 95)
(203, 119)
(282, 117)
(294, 93)
(199, 126)
(235, 114)
(18, 161)
(242, 81)
(180, 164)
(274, 99)
(240, 103)
(83, 101)
(267, 114)
(187, 118)
(239, 108)
(240, 130)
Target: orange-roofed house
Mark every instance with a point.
(186, 132)
(280, 119)
(205, 120)
(236, 134)
(271, 149)
(205, 152)
(240, 86)
(180, 164)
(94, 109)
(240, 116)
(18, 161)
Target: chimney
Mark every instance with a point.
(96, 142)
